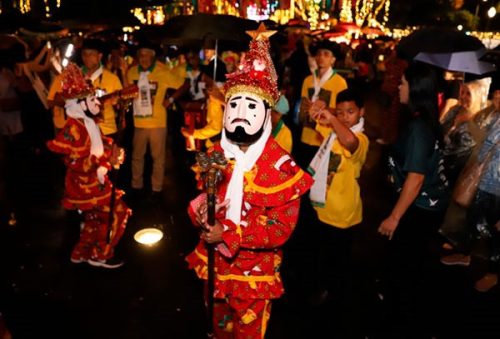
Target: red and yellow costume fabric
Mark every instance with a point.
(84, 192)
(247, 262)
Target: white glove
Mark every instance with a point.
(101, 174)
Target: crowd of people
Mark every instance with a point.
(310, 99)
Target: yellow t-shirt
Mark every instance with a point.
(343, 207)
(160, 79)
(213, 127)
(328, 93)
(283, 136)
(107, 82)
(179, 71)
(58, 116)
(110, 83)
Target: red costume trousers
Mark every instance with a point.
(93, 243)
(241, 318)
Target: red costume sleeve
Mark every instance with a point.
(74, 143)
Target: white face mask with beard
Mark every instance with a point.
(244, 118)
(91, 106)
(247, 123)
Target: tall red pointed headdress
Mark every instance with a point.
(256, 74)
(74, 84)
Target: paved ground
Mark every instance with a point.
(43, 295)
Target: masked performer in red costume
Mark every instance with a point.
(88, 156)
(258, 201)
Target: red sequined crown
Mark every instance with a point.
(256, 73)
(74, 84)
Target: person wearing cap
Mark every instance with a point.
(150, 115)
(104, 81)
(89, 156)
(319, 91)
(281, 133)
(258, 201)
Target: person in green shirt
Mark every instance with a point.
(417, 173)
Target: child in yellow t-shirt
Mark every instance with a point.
(337, 201)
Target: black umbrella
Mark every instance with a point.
(192, 30)
(492, 56)
(436, 40)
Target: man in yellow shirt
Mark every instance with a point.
(335, 194)
(102, 79)
(150, 116)
(319, 90)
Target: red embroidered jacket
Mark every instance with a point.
(270, 208)
(82, 189)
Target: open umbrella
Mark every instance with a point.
(8, 41)
(436, 40)
(372, 31)
(228, 30)
(492, 56)
(297, 23)
(467, 62)
(347, 26)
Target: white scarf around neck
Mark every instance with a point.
(244, 162)
(75, 111)
(143, 104)
(319, 165)
(96, 74)
(319, 83)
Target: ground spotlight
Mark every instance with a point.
(148, 236)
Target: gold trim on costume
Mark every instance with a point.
(92, 200)
(201, 256)
(252, 280)
(251, 186)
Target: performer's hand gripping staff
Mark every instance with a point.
(211, 169)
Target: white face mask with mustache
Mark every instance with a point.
(246, 111)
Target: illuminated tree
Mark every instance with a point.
(365, 12)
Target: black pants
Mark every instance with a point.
(335, 252)
(404, 271)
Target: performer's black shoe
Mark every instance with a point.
(110, 263)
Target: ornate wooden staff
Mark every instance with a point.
(211, 166)
(125, 100)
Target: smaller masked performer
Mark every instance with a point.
(258, 201)
(88, 156)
